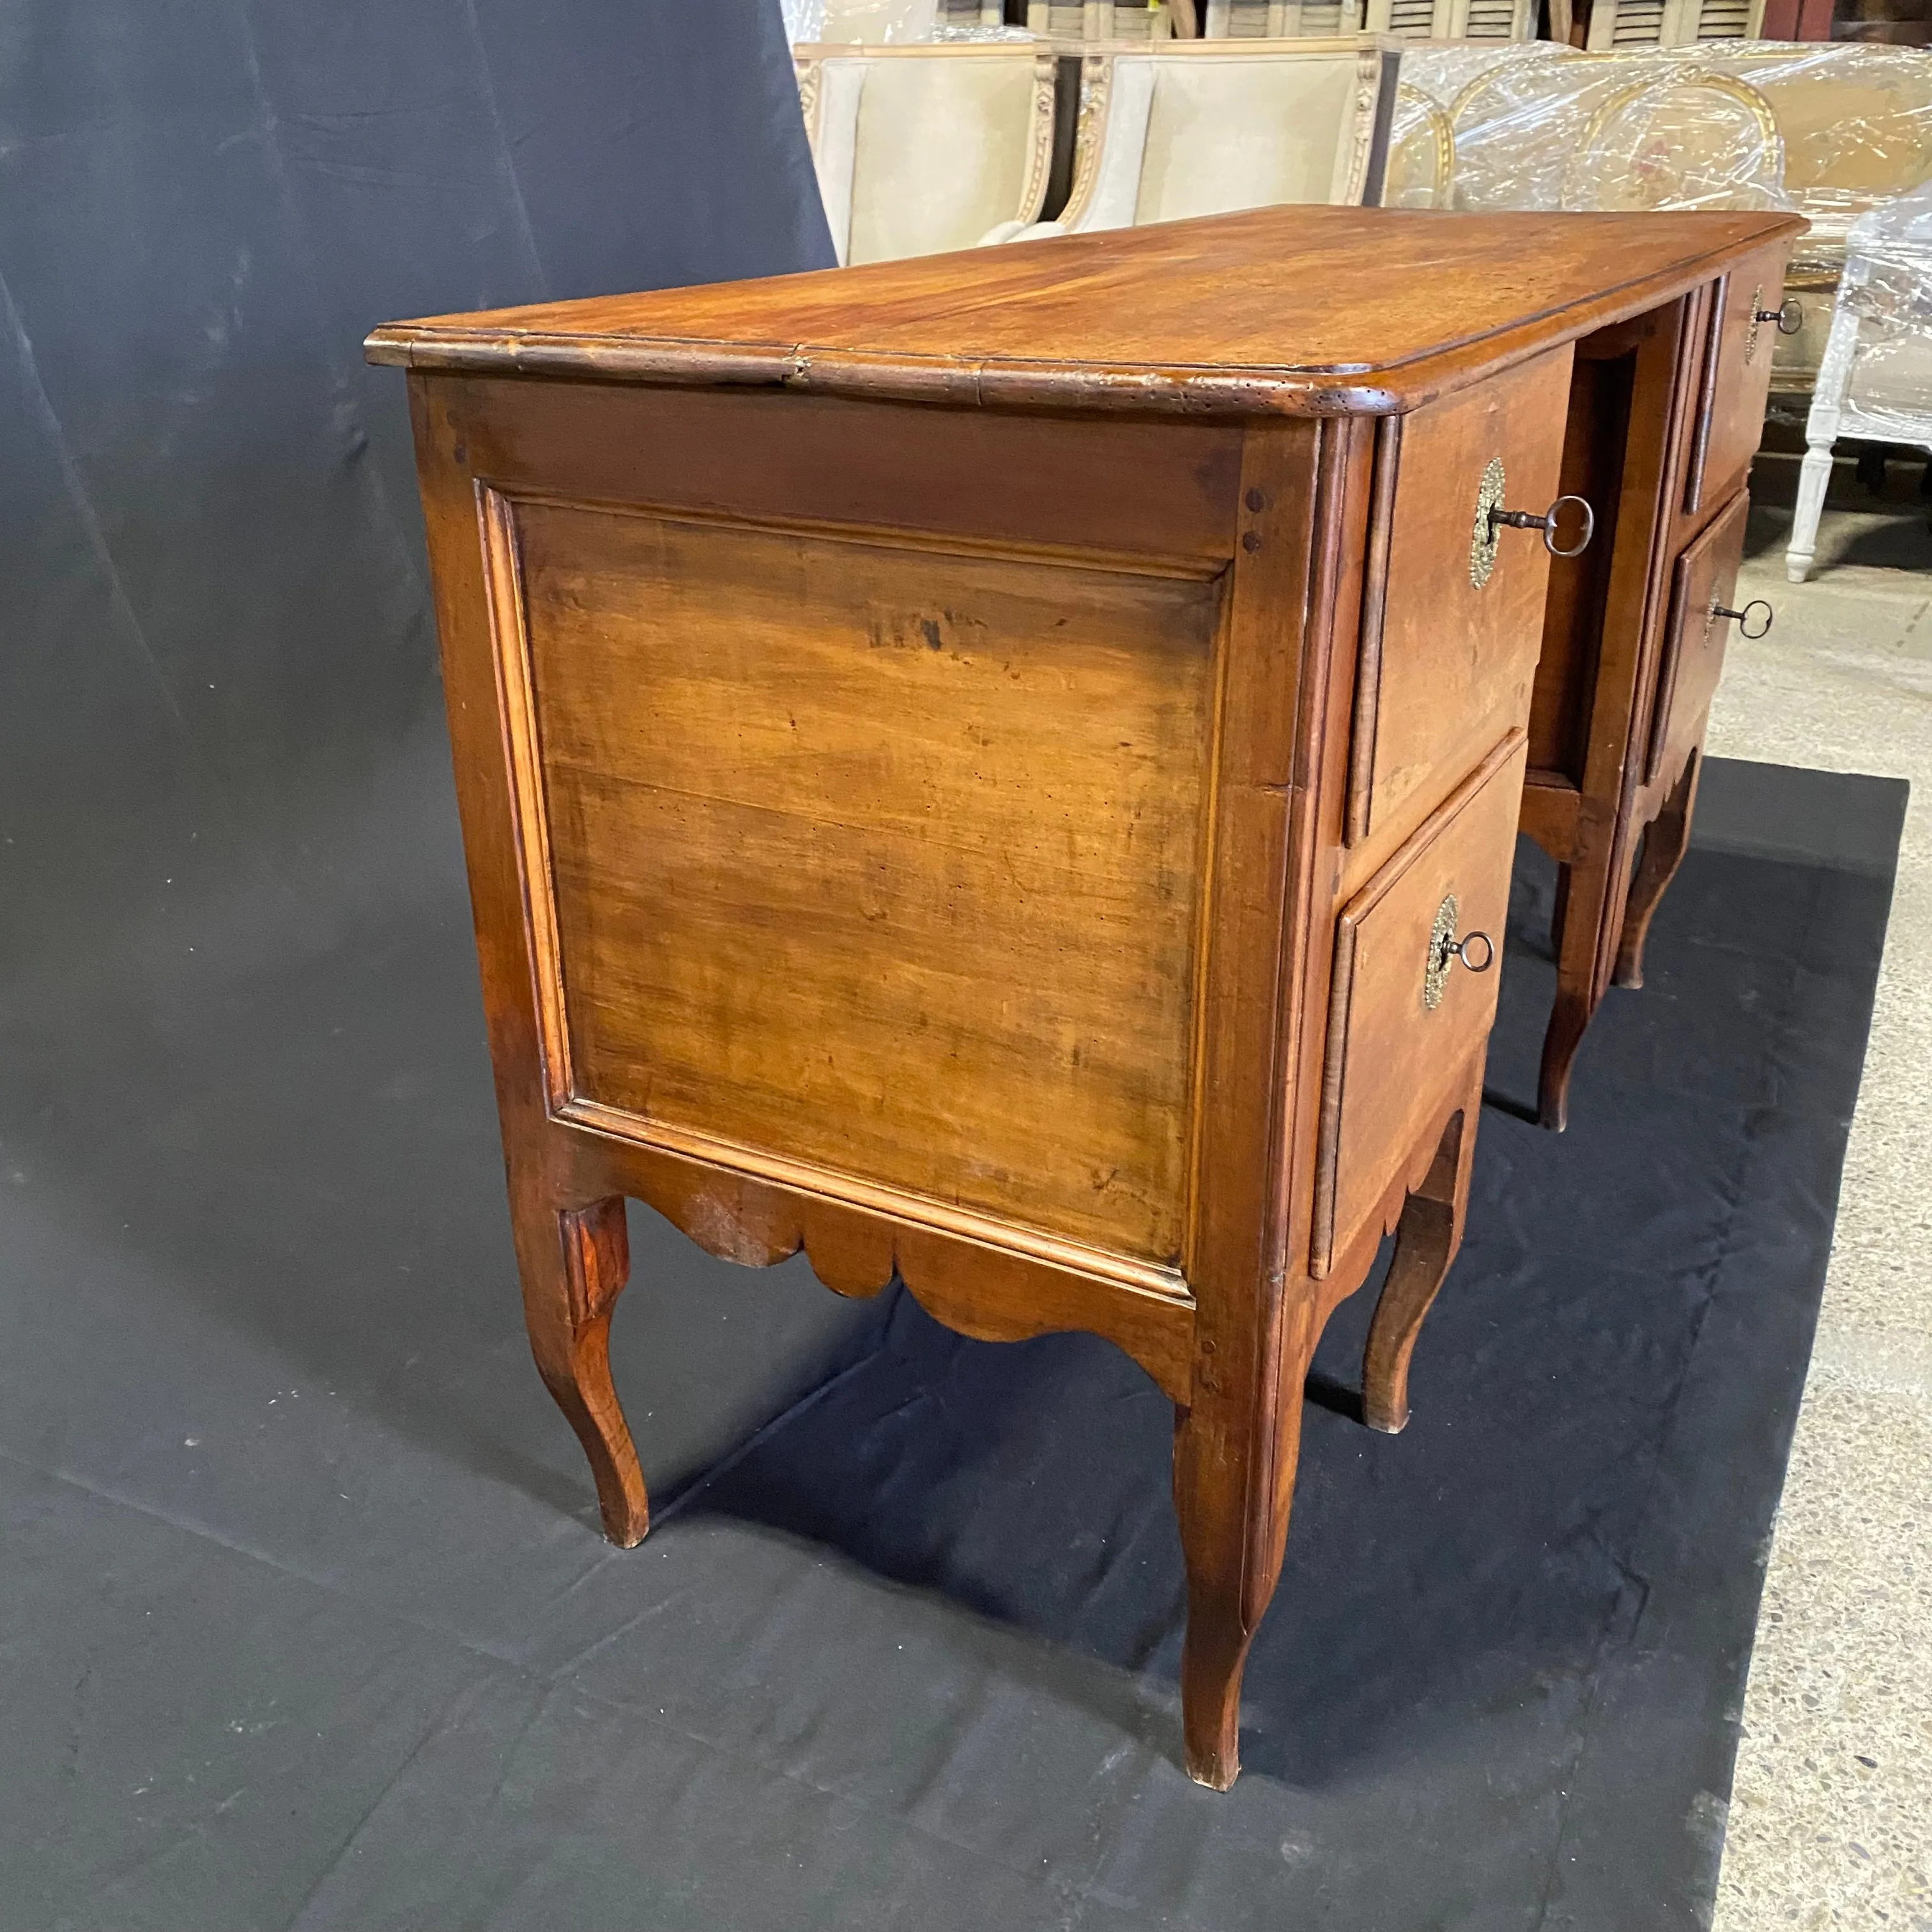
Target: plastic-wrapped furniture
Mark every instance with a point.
(1205, 126)
(1875, 382)
(1681, 138)
(922, 149)
(1856, 120)
(861, 22)
(1608, 132)
(1421, 170)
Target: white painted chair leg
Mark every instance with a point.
(1813, 479)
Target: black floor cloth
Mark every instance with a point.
(303, 1622)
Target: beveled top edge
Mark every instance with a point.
(1085, 318)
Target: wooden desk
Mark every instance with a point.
(975, 766)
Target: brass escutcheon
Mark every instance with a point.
(1441, 949)
(1750, 333)
(1482, 538)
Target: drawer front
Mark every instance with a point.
(1401, 1033)
(1735, 380)
(1449, 638)
(1693, 641)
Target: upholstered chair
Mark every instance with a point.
(1203, 127)
(1681, 138)
(1875, 384)
(922, 149)
(1856, 120)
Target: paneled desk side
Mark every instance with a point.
(1013, 840)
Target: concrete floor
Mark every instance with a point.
(1831, 1818)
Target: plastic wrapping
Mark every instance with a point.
(1879, 356)
(1856, 120)
(872, 23)
(1651, 130)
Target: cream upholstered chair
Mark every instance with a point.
(1671, 23)
(1875, 382)
(1281, 19)
(1204, 126)
(1679, 138)
(1856, 119)
(1421, 170)
(922, 149)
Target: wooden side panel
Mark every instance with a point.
(1693, 645)
(1457, 659)
(877, 858)
(1393, 1060)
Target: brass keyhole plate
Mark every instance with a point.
(1750, 333)
(1482, 538)
(1441, 950)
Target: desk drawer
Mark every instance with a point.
(1453, 624)
(1693, 642)
(1735, 380)
(1403, 1026)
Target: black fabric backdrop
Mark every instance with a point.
(222, 751)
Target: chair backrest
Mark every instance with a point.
(1856, 120)
(1421, 171)
(1671, 23)
(1681, 138)
(922, 149)
(1518, 122)
(1204, 126)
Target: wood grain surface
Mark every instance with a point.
(1457, 660)
(1298, 309)
(880, 856)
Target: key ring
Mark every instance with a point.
(1744, 617)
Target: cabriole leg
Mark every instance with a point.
(1235, 1455)
(1584, 893)
(575, 1264)
(1427, 1239)
(1664, 843)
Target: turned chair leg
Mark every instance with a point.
(575, 1264)
(1665, 842)
(1234, 1456)
(1427, 1239)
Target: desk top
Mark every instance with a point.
(1293, 310)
